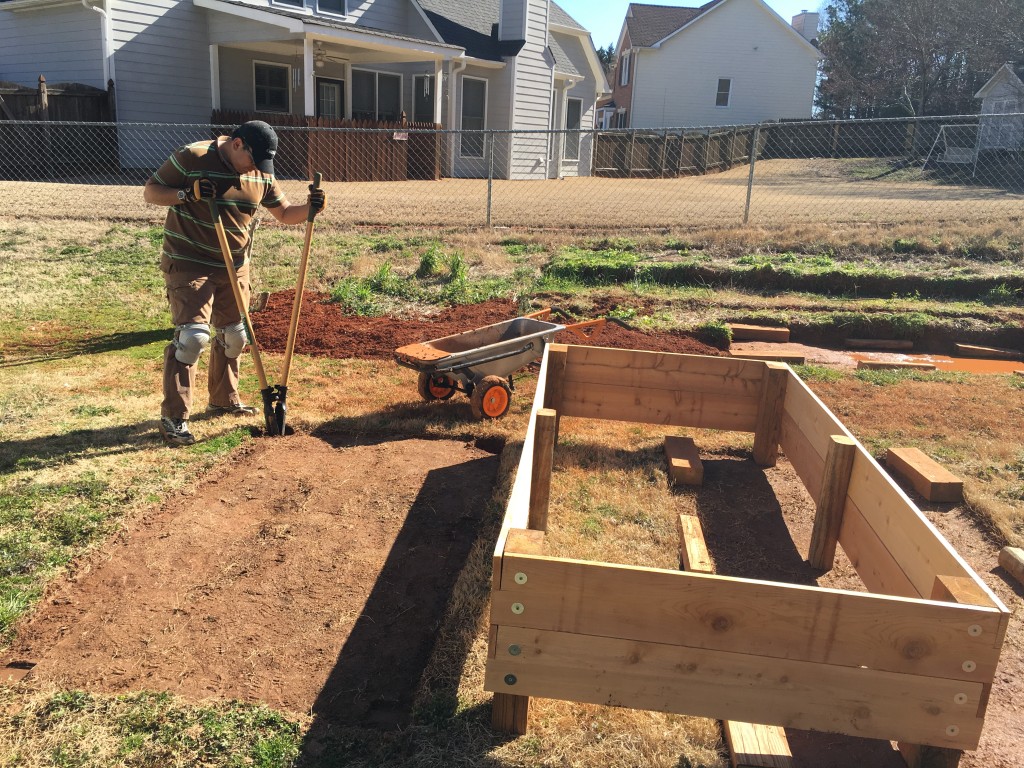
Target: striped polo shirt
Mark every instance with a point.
(189, 234)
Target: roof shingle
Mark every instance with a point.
(648, 24)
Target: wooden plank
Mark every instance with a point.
(874, 564)
(970, 350)
(743, 615)
(1012, 561)
(739, 686)
(684, 464)
(525, 542)
(957, 589)
(791, 358)
(885, 365)
(929, 478)
(753, 745)
(693, 552)
(626, 359)
(770, 408)
(806, 461)
(541, 467)
(742, 332)
(878, 344)
(659, 406)
(510, 713)
(737, 383)
(15, 672)
(828, 519)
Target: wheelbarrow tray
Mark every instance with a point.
(494, 350)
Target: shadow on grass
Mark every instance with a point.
(37, 453)
(62, 349)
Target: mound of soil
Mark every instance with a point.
(325, 331)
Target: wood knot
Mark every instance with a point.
(916, 649)
(721, 623)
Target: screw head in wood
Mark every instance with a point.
(511, 680)
(515, 650)
(952, 730)
(520, 578)
(974, 630)
(518, 608)
(969, 666)
(960, 698)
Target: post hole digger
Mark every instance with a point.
(275, 408)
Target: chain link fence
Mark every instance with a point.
(944, 169)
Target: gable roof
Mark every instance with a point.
(563, 63)
(560, 18)
(650, 24)
(1009, 71)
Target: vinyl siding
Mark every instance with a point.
(64, 44)
(512, 17)
(585, 91)
(162, 58)
(772, 71)
(236, 78)
(532, 98)
(497, 110)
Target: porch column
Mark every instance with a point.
(348, 91)
(308, 78)
(438, 81)
(215, 77)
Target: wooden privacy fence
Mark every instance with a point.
(668, 154)
(64, 102)
(854, 138)
(913, 659)
(388, 152)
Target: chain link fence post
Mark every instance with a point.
(490, 177)
(754, 143)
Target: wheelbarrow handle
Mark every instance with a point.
(578, 328)
(540, 314)
(482, 361)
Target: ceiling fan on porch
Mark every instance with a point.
(321, 57)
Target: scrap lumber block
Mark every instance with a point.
(741, 332)
(15, 672)
(693, 552)
(828, 520)
(790, 358)
(510, 713)
(1012, 560)
(884, 365)
(878, 344)
(970, 350)
(757, 746)
(929, 478)
(684, 465)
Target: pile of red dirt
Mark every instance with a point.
(326, 331)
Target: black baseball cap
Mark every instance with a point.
(262, 142)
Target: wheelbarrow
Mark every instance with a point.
(480, 363)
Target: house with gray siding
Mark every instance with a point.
(1002, 105)
(513, 65)
(727, 62)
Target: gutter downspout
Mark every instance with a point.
(108, 56)
(458, 65)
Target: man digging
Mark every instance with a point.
(236, 171)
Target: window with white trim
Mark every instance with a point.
(724, 92)
(620, 119)
(376, 95)
(333, 7)
(624, 69)
(271, 91)
(295, 3)
(573, 121)
(474, 111)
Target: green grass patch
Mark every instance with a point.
(715, 333)
(889, 377)
(818, 373)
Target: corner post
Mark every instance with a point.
(769, 414)
(828, 520)
(554, 383)
(540, 475)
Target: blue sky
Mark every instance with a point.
(604, 17)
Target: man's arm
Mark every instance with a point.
(287, 213)
(158, 194)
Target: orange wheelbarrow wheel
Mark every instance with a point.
(435, 387)
(491, 398)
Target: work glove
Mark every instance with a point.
(317, 200)
(200, 189)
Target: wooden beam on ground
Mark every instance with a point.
(741, 332)
(510, 713)
(929, 478)
(1012, 560)
(790, 358)
(970, 350)
(878, 344)
(540, 477)
(15, 672)
(684, 464)
(757, 746)
(693, 552)
(555, 381)
(768, 429)
(893, 365)
(1018, 373)
(828, 520)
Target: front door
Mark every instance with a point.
(330, 98)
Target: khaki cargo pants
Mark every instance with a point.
(200, 294)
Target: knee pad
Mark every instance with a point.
(190, 339)
(233, 339)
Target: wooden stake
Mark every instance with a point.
(831, 501)
(540, 478)
(554, 384)
(769, 414)
(510, 713)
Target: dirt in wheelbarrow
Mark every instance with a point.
(326, 331)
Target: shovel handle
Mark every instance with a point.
(243, 309)
(300, 286)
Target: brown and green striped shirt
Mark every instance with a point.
(189, 234)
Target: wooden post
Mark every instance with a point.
(540, 477)
(769, 414)
(510, 713)
(111, 102)
(554, 384)
(44, 99)
(831, 501)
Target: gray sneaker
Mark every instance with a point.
(175, 432)
(235, 409)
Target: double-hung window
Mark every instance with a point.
(724, 92)
(376, 96)
(624, 69)
(474, 111)
(573, 120)
(271, 91)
